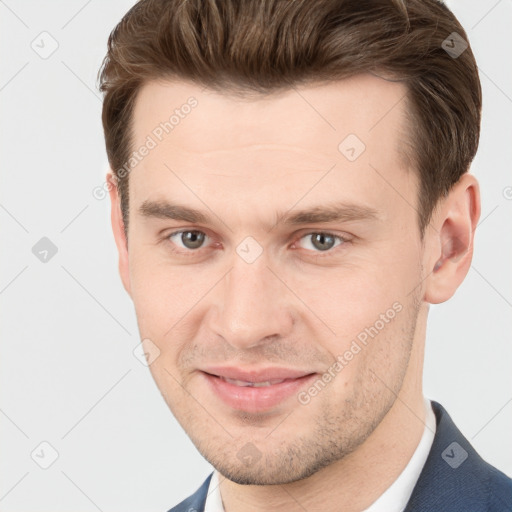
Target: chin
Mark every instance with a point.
(276, 469)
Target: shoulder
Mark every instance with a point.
(195, 502)
(500, 491)
(455, 478)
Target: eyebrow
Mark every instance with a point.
(334, 212)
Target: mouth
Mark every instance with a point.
(257, 390)
(244, 383)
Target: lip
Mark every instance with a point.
(256, 374)
(284, 382)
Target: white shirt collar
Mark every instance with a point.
(394, 498)
(213, 499)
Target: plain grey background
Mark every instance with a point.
(69, 378)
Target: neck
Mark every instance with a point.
(358, 479)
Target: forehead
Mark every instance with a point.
(224, 142)
(363, 104)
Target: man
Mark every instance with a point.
(290, 191)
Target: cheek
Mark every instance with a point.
(348, 299)
(170, 301)
(162, 293)
(169, 383)
(158, 298)
(366, 306)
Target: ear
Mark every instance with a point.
(452, 229)
(116, 217)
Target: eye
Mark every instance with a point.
(190, 240)
(321, 241)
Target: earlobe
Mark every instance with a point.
(453, 231)
(119, 231)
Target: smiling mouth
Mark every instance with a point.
(244, 383)
(256, 392)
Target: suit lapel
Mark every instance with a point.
(196, 502)
(454, 478)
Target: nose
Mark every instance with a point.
(251, 306)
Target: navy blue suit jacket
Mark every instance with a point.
(454, 479)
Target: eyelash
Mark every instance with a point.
(317, 254)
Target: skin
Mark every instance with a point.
(242, 161)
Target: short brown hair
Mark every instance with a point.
(263, 46)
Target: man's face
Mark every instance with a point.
(252, 305)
